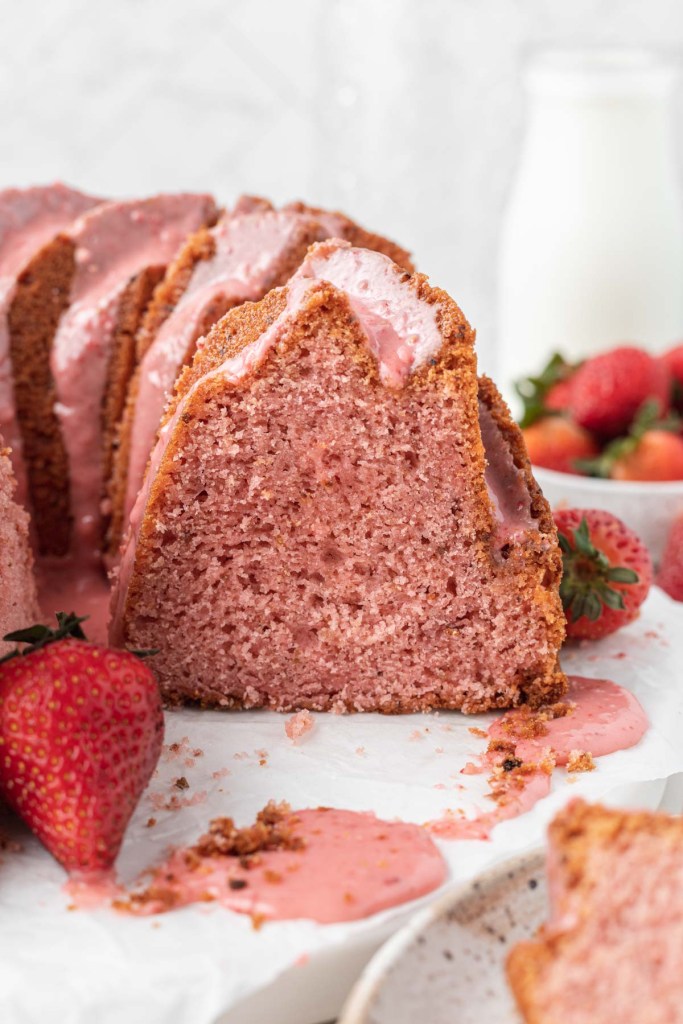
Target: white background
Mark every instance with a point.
(406, 113)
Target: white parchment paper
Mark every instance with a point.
(60, 966)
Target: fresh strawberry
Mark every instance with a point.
(658, 455)
(652, 450)
(81, 728)
(608, 390)
(558, 397)
(557, 443)
(673, 360)
(670, 575)
(607, 572)
(546, 392)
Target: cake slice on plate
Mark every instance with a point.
(337, 515)
(18, 600)
(29, 218)
(75, 310)
(252, 249)
(612, 950)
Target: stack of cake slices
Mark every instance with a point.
(277, 426)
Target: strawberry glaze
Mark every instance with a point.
(352, 865)
(604, 718)
(601, 718)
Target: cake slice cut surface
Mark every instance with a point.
(613, 947)
(317, 529)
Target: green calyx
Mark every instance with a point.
(39, 636)
(647, 418)
(533, 390)
(34, 638)
(587, 576)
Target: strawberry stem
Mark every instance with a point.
(533, 390)
(586, 576)
(38, 636)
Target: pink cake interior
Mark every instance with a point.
(18, 603)
(113, 244)
(29, 218)
(623, 961)
(327, 528)
(248, 250)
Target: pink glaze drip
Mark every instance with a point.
(92, 891)
(451, 826)
(505, 483)
(605, 718)
(29, 218)
(401, 329)
(113, 245)
(85, 590)
(248, 249)
(352, 865)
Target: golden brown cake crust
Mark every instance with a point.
(361, 238)
(534, 570)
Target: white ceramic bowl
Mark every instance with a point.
(448, 965)
(648, 508)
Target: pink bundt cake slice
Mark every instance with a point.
(29, 218)
(338, 515)
(18, 600)
(252, 249)
(613, 947)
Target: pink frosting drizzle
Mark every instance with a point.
(353, 865)
(29, 218)
(603, 718)
(113, 245)
(247, 251)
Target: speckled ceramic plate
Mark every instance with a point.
(447, 966)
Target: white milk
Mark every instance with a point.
(592, 246)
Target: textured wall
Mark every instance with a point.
(408, 113)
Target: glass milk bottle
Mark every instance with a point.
(592, 245)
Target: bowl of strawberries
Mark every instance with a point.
(608, 433)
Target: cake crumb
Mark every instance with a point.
(298, 725)
(580, 761)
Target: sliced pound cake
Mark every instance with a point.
(29, 219)
(612, 950)
(75, 310)
(252, 249)
(338, 515)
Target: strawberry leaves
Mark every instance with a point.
(534, 390)
(647, 418)
(38, 636)
(587, 575)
